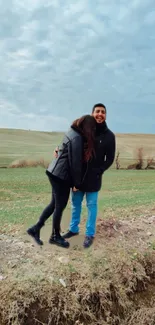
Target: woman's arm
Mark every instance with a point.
(75, 155)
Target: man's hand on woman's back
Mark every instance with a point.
(55, 153)
(75, 189)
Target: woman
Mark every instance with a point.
(66, 172)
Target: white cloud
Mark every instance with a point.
(26, 4)
(10, 116)
(8, 108)
(23, 53)
(150, 18)
(73, 9)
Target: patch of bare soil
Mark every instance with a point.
(139, 232)
(112, 283)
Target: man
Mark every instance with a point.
(92, 181)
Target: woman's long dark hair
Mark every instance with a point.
(87, 126)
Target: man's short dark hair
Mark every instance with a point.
(98, 105)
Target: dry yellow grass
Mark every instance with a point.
(128, 145)
(29, 163)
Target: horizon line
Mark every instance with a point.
(31, 130)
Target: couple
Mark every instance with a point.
(87, 151)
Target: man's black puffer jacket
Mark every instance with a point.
(103, 159)
(68, 165)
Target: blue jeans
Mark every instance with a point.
(91, 200)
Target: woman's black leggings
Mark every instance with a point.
(60, 197)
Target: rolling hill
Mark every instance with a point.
(18, 144)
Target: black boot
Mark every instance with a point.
(59, 241)
(70, 234)
(35, 233)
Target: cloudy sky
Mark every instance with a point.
(59, 57)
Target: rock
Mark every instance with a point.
(9, 241)
(115, 228)
(63, 259)
(2, 277)
(150, 219)
(51, 279)
(63, 283)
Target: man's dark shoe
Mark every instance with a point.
(88, 241)
(59, 241)
(34, 232)
(70, 234)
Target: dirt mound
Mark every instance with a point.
(85, 300)
(108, 227)
(137, 233)
(111, 283)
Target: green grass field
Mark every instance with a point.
(25, 192)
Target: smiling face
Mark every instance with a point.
(99, 114)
